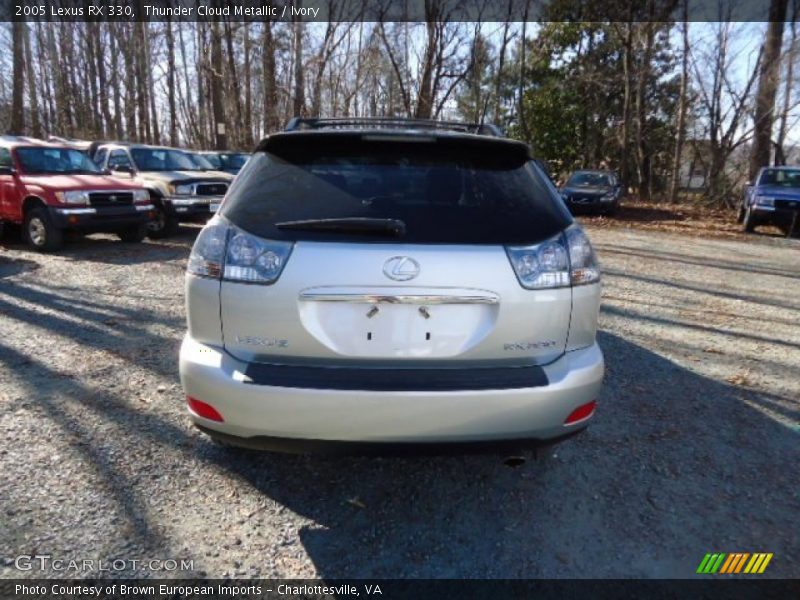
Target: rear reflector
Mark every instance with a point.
(204, 410)
(582, 412)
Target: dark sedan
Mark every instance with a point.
(592, 191)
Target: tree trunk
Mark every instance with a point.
(767, 88)
(642, 146)
(627, 69)
(425, 98)
(17, 111)
(235, 133)
(102, 80)
(299, 105)
(523, 126)
(791, 57)
(247, 138)
(173, 110)
(271, 119)
(220, 131)
(683, 104)
(36, 128)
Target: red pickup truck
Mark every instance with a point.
(49, 188)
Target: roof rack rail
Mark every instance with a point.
(301, 123)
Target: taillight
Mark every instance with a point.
(584, 411)
(223, 251)
(566, 259)
(202, 409)
(583, 267)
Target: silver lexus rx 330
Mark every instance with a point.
(376, 284)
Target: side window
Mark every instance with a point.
(5, 158)
(100, 156)
(118, 158)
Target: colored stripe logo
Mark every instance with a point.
(734, 563)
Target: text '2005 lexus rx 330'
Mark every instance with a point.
(368, 284)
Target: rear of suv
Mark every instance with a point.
(182, 190)
(376, 283)
(50, 188)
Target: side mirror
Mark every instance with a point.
(122, 169)
(7, 170)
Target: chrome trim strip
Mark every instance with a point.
(130, 191)
(426, 299)
(77, 211)
(144, 206)
(203, 200)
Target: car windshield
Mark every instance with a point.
(589, 179)
(160, 159)
(35, 160)
(447, 191)
(202, 162)
(213, 159)
(783, 177)
(234, 161)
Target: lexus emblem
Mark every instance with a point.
(112, 198)
(401, 268)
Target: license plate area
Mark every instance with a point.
(399, 326)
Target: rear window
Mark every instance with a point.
(444, 190)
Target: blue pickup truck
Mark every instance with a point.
(773, 199)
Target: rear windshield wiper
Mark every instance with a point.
(391, 227)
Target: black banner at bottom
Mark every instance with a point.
(395, 589)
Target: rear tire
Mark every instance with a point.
(39, 231)
(163, 224)
(133, 235)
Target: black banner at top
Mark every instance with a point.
(384, 10)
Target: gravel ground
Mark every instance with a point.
(695, 447)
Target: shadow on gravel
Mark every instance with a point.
(711, 261)
(15, 266)
(768, 296)
(107, 249)
(674, 466)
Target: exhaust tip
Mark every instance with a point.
(514, 461)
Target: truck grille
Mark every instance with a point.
(111, 198)
(212, 189)
(790, 204)
(582, 198)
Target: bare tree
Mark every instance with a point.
(725, 105)
(767, 87)
(683, 107)
(791, 57)
(18, 83)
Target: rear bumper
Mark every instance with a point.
(88, 218)
(264, 413)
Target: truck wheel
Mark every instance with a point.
(163, 225)
(749, 220)
(40, 233)
(134, 234)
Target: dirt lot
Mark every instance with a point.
(695, 448)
